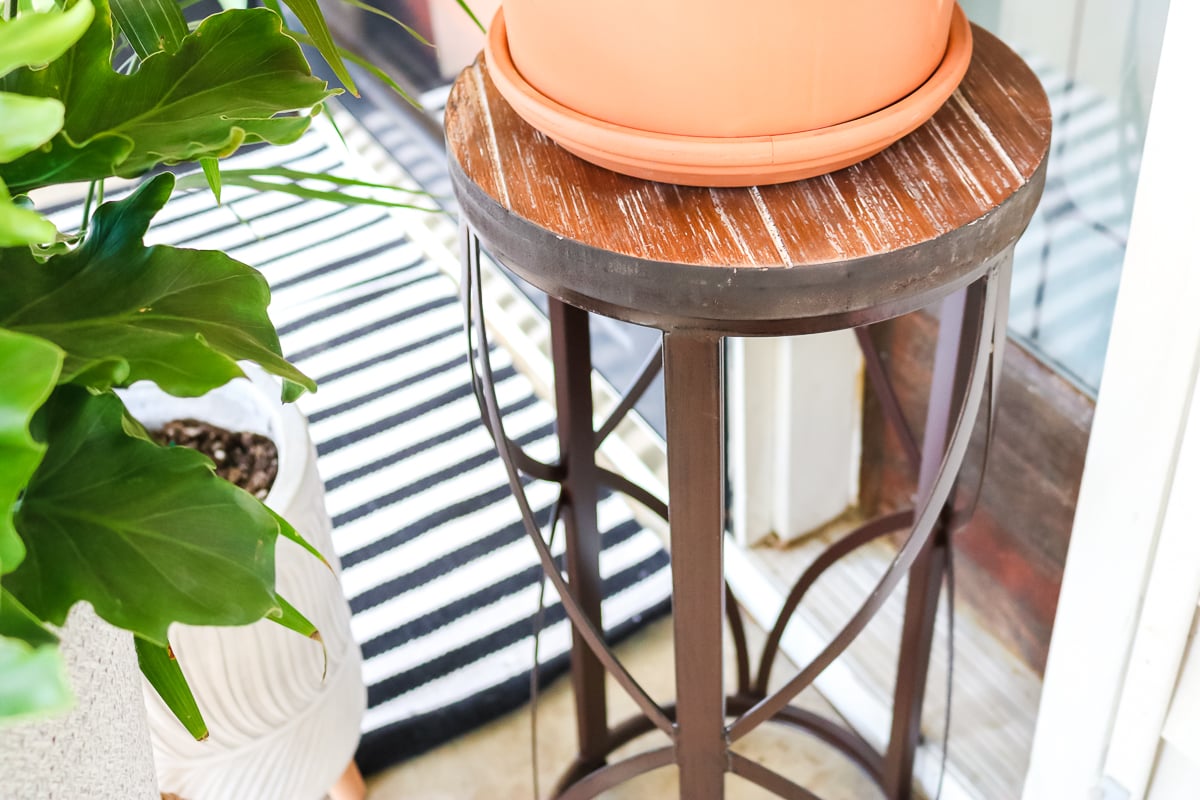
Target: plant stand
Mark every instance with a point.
(932, 220)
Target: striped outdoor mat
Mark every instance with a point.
(441, 579)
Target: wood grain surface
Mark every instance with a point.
(983, 145)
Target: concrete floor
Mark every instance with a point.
(493, 763)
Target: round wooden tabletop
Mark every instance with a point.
(883, 237)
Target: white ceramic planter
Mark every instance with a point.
(100, 749)
(276, 730)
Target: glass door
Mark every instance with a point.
(1097, 60)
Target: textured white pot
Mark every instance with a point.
(277, 731)
(100, 750)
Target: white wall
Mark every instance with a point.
(457, 38)
(795, 433)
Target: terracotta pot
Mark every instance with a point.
(715, 68)
(681, 74)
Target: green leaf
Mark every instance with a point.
(30, 368)
(18, 622)
(310, 16)
(327, 113)
(355, 58)
(463, 5)
(125, 312)
(148, 535)
(288, 532)
(63, 161)
(212, 174)
(29, 122)
(150, 26)
(35, 39)
(287, 173)
(162, 670)
(227, 85)
(370, 9)
(290, 617)
(33, 680)
(297, 190)
(291, 391)
(249, 178)
(21, 226)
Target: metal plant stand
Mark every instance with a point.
(932, 220)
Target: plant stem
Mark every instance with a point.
(87, 208)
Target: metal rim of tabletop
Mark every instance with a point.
(972, 333)
(755, 301)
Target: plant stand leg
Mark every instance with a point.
(694, 366)
(571, 346)
(961, 320)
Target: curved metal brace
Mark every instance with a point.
(577, 770)
(588, 631)
(650, 368)
(840, 738)
(619, 483)
(960, 518)
(470, 284)
(864, 534)
(612, 775)
(768, 779)
(737, 632)
(633, 727)
(624, 733)
(999, 339)
(886, 393)
(538, 620)
(923, 527)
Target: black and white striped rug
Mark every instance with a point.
(441, 580)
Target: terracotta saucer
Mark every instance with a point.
(737, 161)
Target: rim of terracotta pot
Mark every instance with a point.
(716, 68)
(729, 161)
